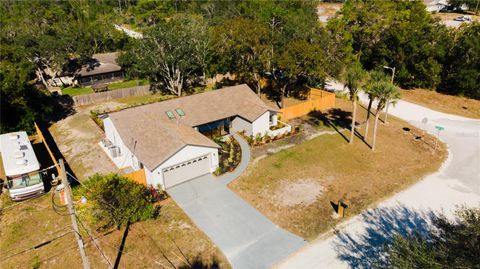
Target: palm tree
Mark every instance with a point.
(353, 80)
(384, 92)
(374, 77)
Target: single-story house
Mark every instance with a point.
(436, 5)
(102, 68)
(170, 140)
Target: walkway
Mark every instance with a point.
(359, 242)
(247, 238)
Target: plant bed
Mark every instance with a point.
(259, 140)
(230, 155)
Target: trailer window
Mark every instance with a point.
(24, 181)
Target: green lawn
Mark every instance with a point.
(74, 91)
(77, 91)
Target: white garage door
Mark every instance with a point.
(182, 172)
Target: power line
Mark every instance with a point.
(35, 246)
(25, 236)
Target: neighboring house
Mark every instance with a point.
(102, 68)
(436, 5)
(170, 139)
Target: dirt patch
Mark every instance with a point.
(77, 138)
(457, 105)
(302, 192)
(344, 171)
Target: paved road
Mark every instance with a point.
(359, 242)
(247, 238)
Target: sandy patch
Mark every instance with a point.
(302, 192)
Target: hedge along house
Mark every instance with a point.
(170, 140)
(102, 68)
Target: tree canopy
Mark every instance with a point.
(115, 201)
(449, 244)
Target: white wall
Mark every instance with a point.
(262, 124)
(125, 159)
(239, 125)
(189, 152)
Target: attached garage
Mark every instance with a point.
(185, 171)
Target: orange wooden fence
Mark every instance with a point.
(319, 100)
(138, 176)
(41, 137)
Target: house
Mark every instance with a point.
(436, 5)
(102, 68)
(170, 140)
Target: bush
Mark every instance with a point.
(114, 200)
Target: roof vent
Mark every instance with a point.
(19, 154)
(170, 115)
(22, 147)
(14, 136)
(180, 112)
(22, 161)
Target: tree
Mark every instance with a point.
(448, 244)
(169, 54)
(394, 33)
(298, 63)
(374, 77)
(243, 49)
(114, 200)
(385, 92)
(462, 70)
(353, 79)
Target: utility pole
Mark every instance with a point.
(73, 216)
(388, 103)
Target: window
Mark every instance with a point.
(24, 181)
(170, 115)
(180, 112)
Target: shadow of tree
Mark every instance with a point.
(368, 248)
(199, 263)
(334, 118)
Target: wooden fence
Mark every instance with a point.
(138, 176)
(319, 100)
(41, 137)
(93, 98)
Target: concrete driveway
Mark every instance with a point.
(246, 237)
(359, 243)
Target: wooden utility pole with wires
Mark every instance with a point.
(73, 216)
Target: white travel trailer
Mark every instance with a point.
(21, 166)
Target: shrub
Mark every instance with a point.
(115, 200)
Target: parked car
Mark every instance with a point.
(463, 18)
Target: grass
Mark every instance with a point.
(456, 105)
(172, 235)
(74, 91)
(350, 172)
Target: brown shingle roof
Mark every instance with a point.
(101, 63)
(159, 137)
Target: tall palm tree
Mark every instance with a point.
(353, 79)
(384, 92)
(374, 77)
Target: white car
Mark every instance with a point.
(463, 18)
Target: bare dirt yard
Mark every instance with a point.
(295, 187)
(456, 105)
(171, 241)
